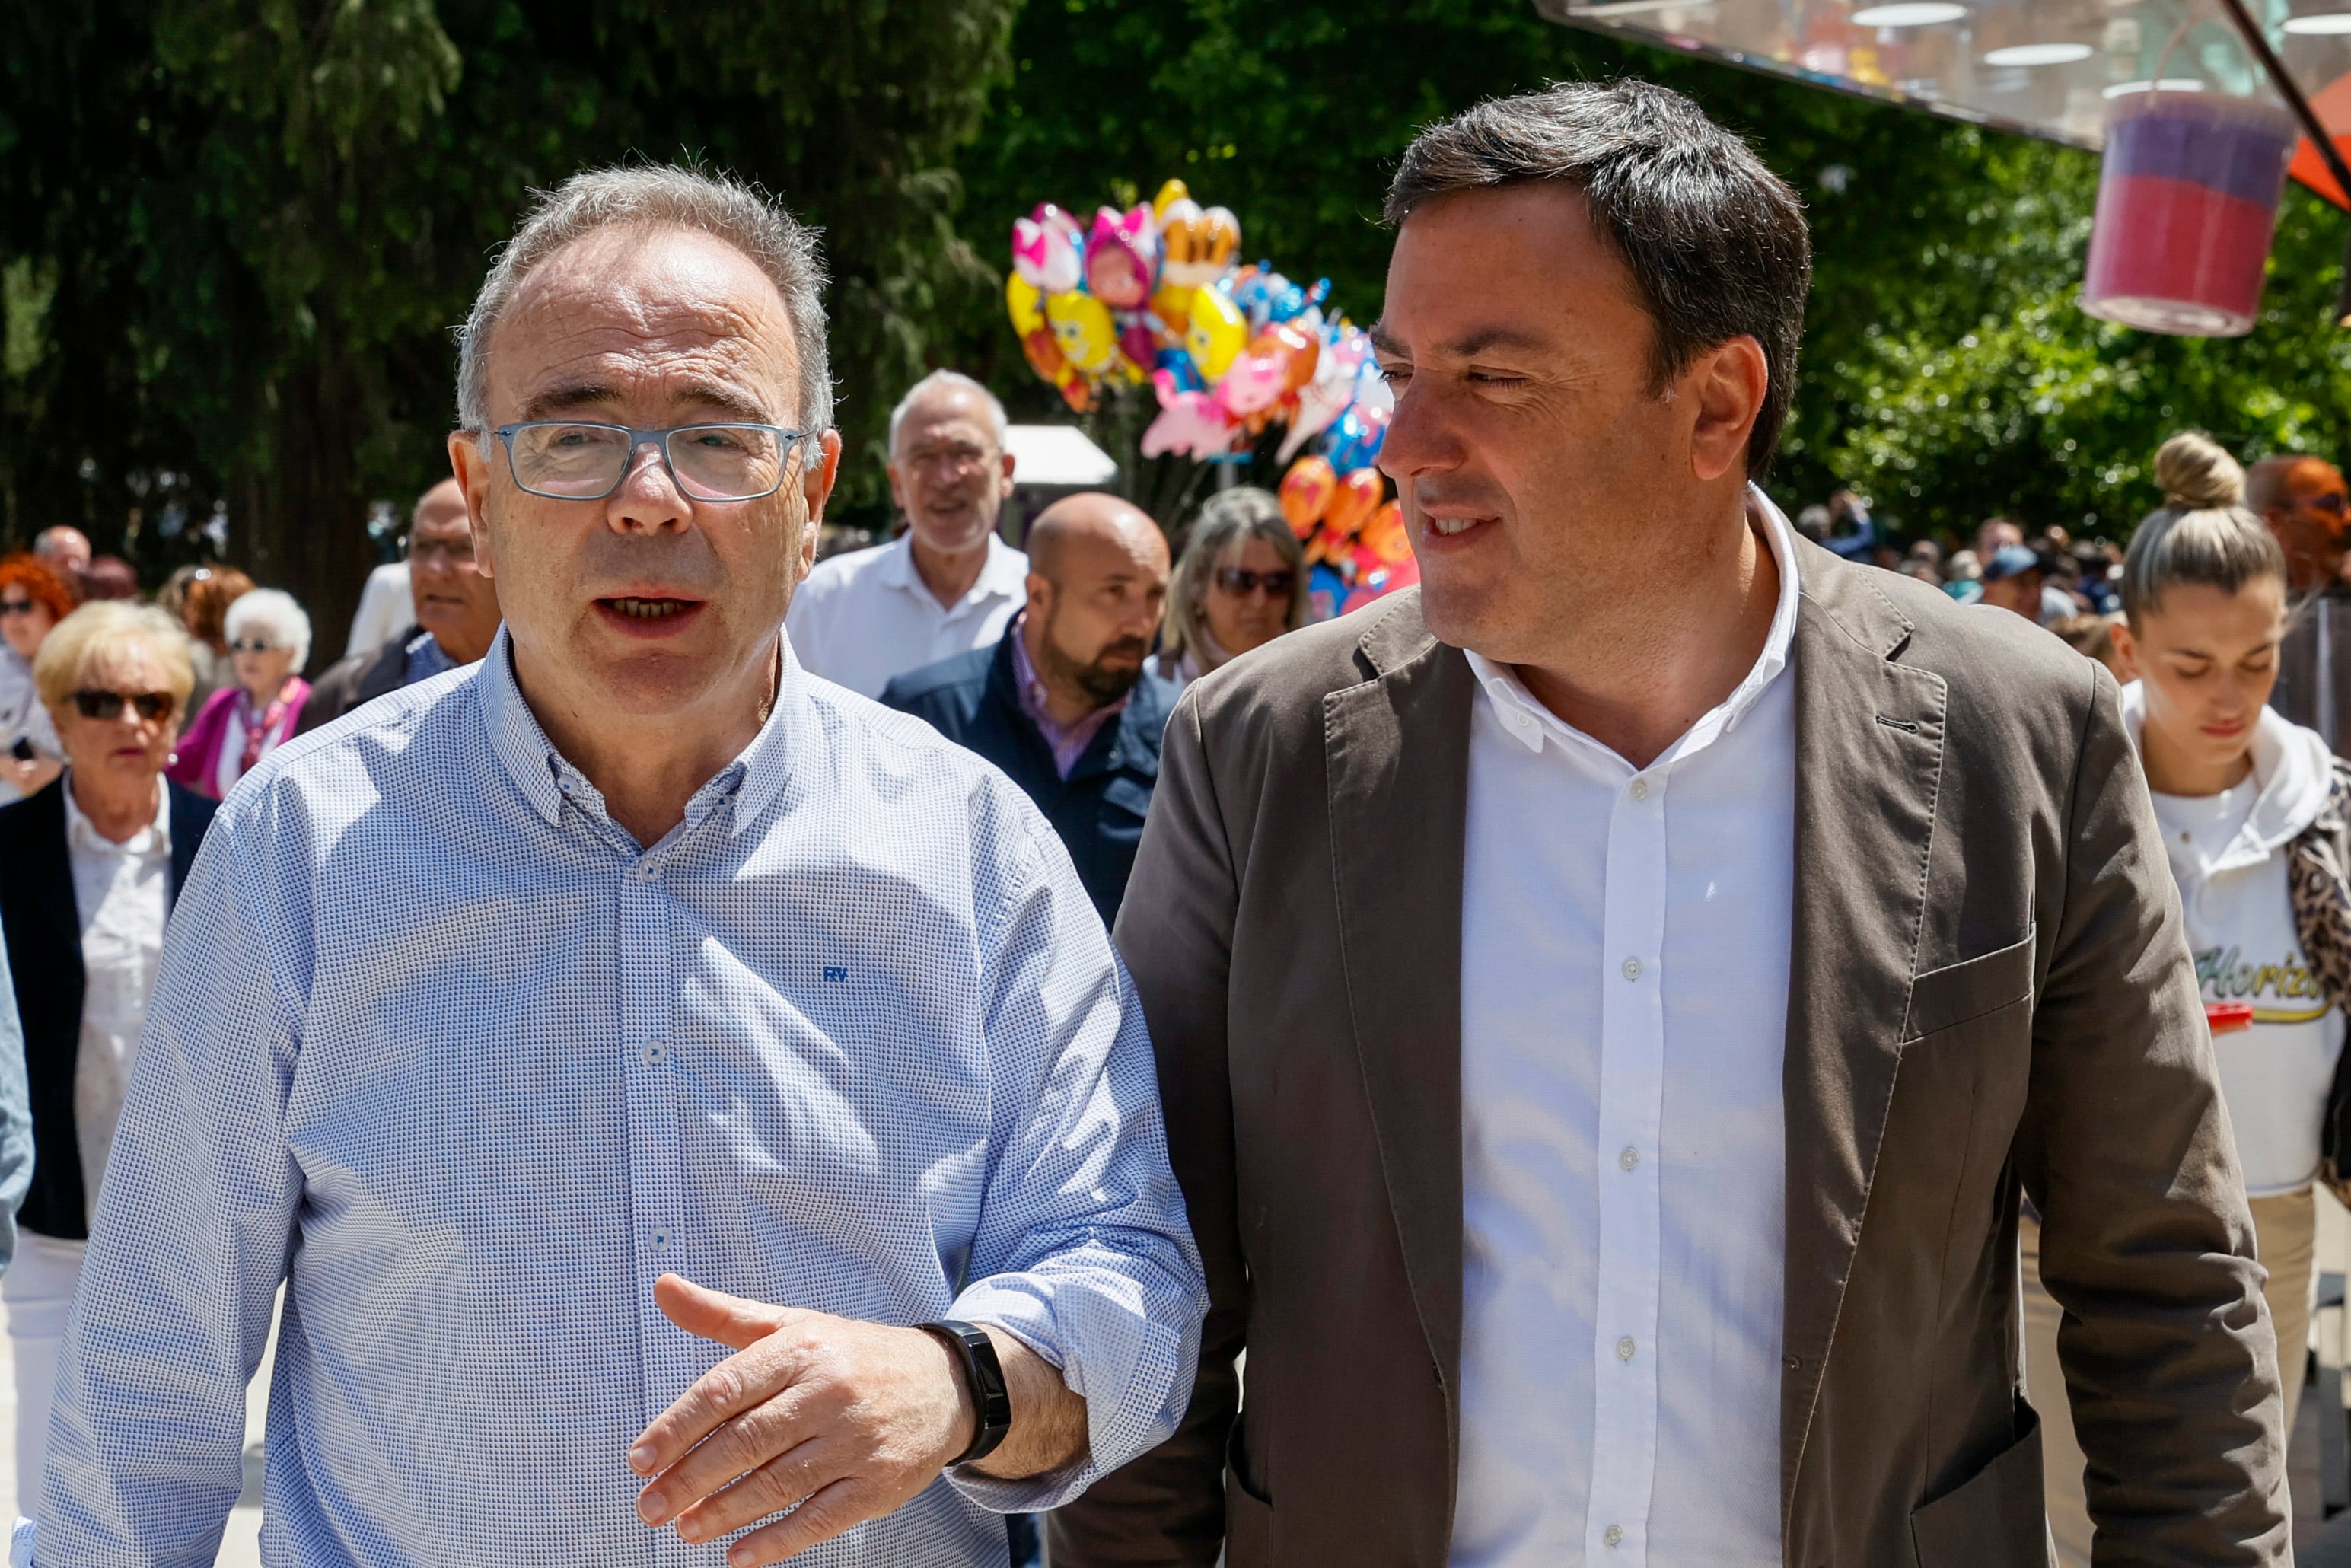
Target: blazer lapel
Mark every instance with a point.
(1869, 750)
(1398, 751)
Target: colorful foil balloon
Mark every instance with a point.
(1123, 258)
(1083, 327)
(1305, 494)
(1216, 334)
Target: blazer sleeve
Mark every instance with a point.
(2169, 1357)
(1175, 931)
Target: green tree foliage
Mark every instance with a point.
(1948, 373)
(234, 234)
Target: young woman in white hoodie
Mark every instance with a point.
(2253, 815)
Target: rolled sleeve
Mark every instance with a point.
(1083, 1252)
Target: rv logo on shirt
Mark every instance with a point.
(2283, 992)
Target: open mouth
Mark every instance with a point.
(648, 609)
(646, 615)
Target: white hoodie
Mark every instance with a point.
(2228, 853)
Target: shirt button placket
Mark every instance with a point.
(648, 985)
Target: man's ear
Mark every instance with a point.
(471, 466)
(1726, 384)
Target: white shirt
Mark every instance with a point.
(2227, 853)
(863, 617)
(122, 893)
(1625, 948)
(387, 605)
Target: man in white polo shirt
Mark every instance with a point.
(948, 584)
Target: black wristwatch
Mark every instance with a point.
(984, 1375)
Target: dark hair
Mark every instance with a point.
(1716, 242)
(108, 577)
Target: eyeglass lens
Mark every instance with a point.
(587, 462)
(151, 705)
(1238, 579)
(251, 645)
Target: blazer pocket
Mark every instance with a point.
(1248, 1518)
(1994, 1519)
(1958, 992)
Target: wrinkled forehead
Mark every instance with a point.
(646, 324)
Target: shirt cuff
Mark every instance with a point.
(20, 1544)
(1125, 1371)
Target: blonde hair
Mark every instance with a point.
(2203, 533)
(84, 642)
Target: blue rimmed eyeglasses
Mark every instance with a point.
(566, 461)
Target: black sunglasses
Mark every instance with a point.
(1238, 580)
(151, 705)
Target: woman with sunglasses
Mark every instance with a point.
(268, 641)
(33, 600)
(88, 869)
(1241, 583)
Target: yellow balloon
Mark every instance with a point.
(1217, 332)
(1082, 325)
(1024, 304)
(1174, 191)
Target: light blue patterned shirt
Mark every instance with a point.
(435, 1043)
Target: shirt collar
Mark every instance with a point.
(1006, 574)
(547, 777)
(82, 833)
(1515, 703)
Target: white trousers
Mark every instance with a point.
(39, 1290)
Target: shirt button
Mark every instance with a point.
(660, 1240)
(1625, 1352)
(1630, 1157)
(656, 1053)
(1613, 1535)
(1632, 968)
(1640, 791)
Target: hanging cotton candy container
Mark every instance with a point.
(2188, 199)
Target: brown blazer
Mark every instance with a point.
(1990, 994)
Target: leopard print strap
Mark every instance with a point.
(2321, 894)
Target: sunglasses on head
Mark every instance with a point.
(151, 705)
(1239, 580)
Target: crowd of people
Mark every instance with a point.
(1637, 1049)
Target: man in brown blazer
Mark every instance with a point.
(1611, 1000)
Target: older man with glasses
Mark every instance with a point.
(684, 1102)
(455, 615)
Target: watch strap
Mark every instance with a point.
(983, 1374)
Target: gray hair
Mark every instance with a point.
(657, 197)
(1227, 518)
(949, 381)
(1715, 242)
(273, 612)
(2203, 533)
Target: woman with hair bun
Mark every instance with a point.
(2256, 819)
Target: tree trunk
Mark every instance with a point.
(305, 525)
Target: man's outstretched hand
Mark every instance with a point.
(839, 1420)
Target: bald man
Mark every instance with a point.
(2304, 501)
(1061, 702)
(455, 614)
(64, 550)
